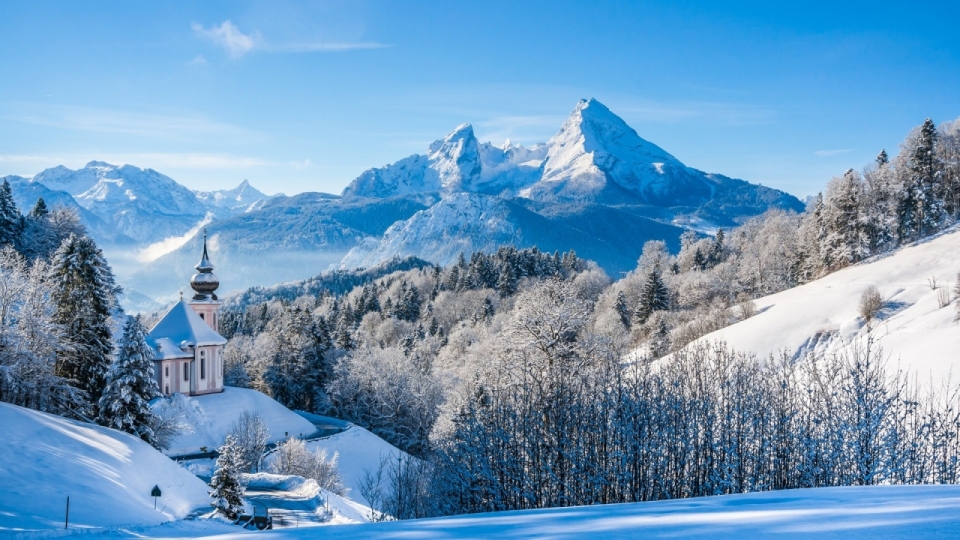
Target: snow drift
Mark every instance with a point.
(108, 476)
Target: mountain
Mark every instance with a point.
(595, 157)
(26, 193)
(242, 197)
(469, 222)
(595, 187)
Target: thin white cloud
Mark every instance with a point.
(229, 37)
(158, 249)
(89, 119)
(237, 44)
(198, 60)
(324, 47)
(676, 112)
(831, 153)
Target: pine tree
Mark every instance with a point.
(882, 158)
(622, 310)
(654, 297)
(9, 216)
(507, 282)
(125, 404)
(39, 209)
(85, 296)
(660, 341)
(716, 252)
(227, 490)
(921, 209)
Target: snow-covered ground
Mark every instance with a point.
(360, 451)
(213, 415)
(914, 331)
(108, 476)
(846, 513)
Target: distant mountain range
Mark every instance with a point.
(595, 187)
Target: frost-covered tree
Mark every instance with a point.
(921, 209)
(228, 491)
(85, 296)
(654, 296)
(294, 458)
(172, 421)
(250, 434)
(9, 216)
(622, 309)
(31, 340)
(130, 385)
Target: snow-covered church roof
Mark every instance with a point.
(179, 328)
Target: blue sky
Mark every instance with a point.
(303, 96)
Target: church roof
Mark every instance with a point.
(181, 326)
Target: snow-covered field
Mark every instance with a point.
(108, 476)
(213, 415)
(846, 513)
(914, 331)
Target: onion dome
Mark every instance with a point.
(205, 282)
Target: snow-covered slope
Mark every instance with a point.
(108, 476)
(912, 328)
(213, 415)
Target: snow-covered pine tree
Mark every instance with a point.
(921, 209)
(85, 295)
(882, 158)
(39, 209)
(9, 216)
(227, 490)
(623, 311)
(654, 297)
(507, 282)
(125, 404)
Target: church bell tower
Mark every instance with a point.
(204, 284)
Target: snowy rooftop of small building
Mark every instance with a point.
(182, 324)
(167, 349)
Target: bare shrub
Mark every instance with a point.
(870, 303)
(943, 297)
(172, 421)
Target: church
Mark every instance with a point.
(187, 341)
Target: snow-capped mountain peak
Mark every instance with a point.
(241, 196)
(456, 159)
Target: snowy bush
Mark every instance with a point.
(250, 434)
(293, 458)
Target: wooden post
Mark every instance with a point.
(66, 519)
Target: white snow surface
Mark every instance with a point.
(914, 332)
(212, 416)
(107, 474)
(846, 513)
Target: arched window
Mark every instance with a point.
(203, 365)
(186, 371)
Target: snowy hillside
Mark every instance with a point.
(913, 329)
(213, 415)
(108, 476)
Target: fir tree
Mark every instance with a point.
(660, 342)
(882, 158)
(227, 491)
(622, 310)
(654, 297)
(716, 252)
(85, 296)
(9, 216)
(125, 404)
(507, 282)
(39, 209)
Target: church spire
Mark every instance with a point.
(205, 282)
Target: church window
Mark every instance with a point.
(166, 389)
(186, 371)
(203, 365)
(202, 317)
(166, 371)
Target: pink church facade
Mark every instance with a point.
(187, 341)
